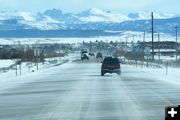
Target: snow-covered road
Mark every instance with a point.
(76, 91)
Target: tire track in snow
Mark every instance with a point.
(149, 101)
(128, 109)
(74, 105)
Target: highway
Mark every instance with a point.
(76, 91)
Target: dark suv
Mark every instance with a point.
(110, 65)
(99, 55)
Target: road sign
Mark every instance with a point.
(36, 52)
(147, 50)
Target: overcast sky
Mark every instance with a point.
(123, 6)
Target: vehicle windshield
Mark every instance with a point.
(89, 59)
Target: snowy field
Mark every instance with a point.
(138, 36)
(156, 73)
(6, 63)
(28, 69)
(166, 58)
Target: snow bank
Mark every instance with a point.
(172, 76)
(6, 63)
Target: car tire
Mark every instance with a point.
(102, 73)
(119, 72)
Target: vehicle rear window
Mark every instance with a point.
(111, 61)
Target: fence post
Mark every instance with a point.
(20, 68)
(167, 68)
(147, 61)
(16, 69)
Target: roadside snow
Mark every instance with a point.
(120, 38)
(9, 79)
(172, 76)
(6, 63)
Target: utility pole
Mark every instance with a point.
(152, 25)
(176, 41)
(36, 54)
(37, 66)
(133, 40)
(144, 36)
(16, 70)
(20, 68)
(159, 54)
(176, 32)
(133, 37)
(126, 43)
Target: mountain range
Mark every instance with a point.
(92, 19)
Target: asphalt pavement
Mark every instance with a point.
(76, 91)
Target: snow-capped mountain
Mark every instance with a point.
(11, 20)
(92, 19)
(93, 15)
(54, 13)
(97, 15)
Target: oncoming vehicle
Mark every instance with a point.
(91, 54)
(84, 55)
(99, 55)
(110, 65)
